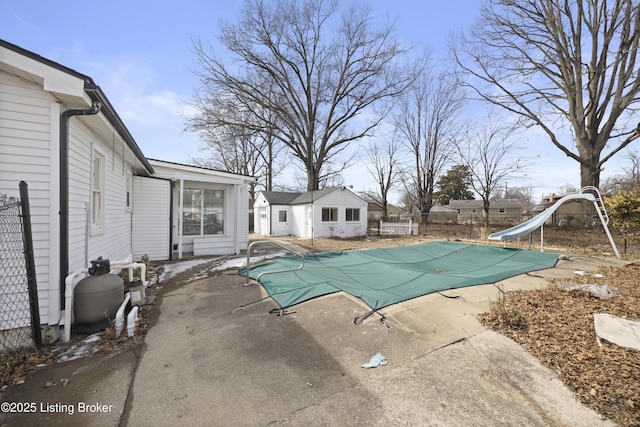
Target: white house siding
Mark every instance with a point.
(341, 199)
(112, 240)
(151, 212)
(300, 220)
(28, 118)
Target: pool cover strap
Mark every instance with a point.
(385, 276)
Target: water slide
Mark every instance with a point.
(539, 220)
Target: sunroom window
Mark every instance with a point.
(203, 212)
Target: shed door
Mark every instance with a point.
(151, 214)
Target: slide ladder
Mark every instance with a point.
(602, 211)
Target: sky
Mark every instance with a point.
(140, 53)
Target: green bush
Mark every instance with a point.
(624, 211)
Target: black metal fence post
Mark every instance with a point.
(30, 264)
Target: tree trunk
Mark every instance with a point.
(590, 171)
(313, 178)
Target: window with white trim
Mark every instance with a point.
(353, 214)
(329, 214)
(502, 210)
(282, 216)
(97, 189)
(202, 212)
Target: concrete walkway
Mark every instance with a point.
(204, 364)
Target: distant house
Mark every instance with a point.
(330, 212)
(443, 214)
(499, 210)
(93, 193)
(376, 213)
(566, 213)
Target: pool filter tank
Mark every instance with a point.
(97, 297)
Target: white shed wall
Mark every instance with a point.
(341, 199)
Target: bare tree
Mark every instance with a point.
(629, 179)
(233, 146)
(490, 153)
(315, 67)
(427, 122)
(561, 64)
(383, 163)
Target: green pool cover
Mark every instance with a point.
(381, 277)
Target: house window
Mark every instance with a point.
(329, 214)
(353, 214)
(97, 189)
(202, 212)
(282, 216)
(502, 210)
(474, 210)
(458, 210)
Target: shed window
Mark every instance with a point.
(502, 210)
(353, 214)
(329, 214)
(282, 216)
(203, 212)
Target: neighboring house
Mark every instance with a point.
(443, 214)
(92, 191)
(330, 212)
(376, 213)
(499, 210)
(566, 213)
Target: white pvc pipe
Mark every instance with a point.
(128, 260)
(120, 314)
(68, 301)
(131, 321)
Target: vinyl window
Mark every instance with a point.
(329, 214)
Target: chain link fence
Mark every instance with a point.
(19, 314)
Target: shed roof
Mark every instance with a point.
(292, 198)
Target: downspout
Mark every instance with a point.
(172, 186)
(64, 191)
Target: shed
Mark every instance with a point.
(330, 212)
